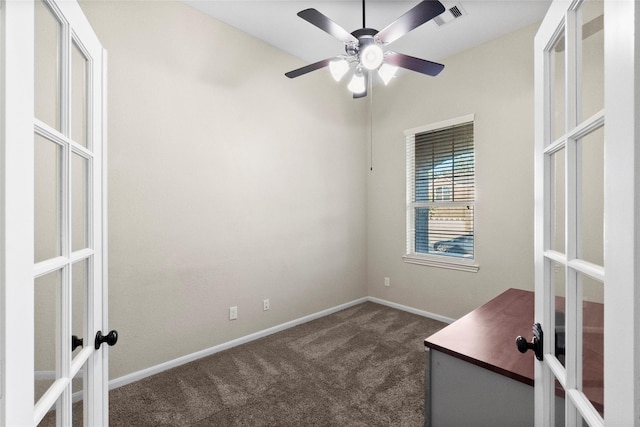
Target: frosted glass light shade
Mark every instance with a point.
(371, 57)
(338, 68)
(356, 85)
(387, 72)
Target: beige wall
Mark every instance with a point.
(495, 82)
(228, 183)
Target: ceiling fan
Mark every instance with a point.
(365, 47)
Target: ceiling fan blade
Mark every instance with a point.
(414, 64)
(423, 12)
(308, 68)
(327, 25)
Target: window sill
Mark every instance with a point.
(442, 262)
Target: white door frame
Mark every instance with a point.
(17, 220)
(17, 206)
(621, 212)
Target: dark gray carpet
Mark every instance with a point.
(363, 366)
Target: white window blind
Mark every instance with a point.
(441, 191)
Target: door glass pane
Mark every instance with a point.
(47, 291)
(79, 293)
(47, 65)
(557, 75)
(79, 201)
(559, 405)
(592, 65)
(593, 340)
(558, 280)
(77, 389)
(591, 207)
(79, 90)
(557, 196)
(49, 420)
(48, 160)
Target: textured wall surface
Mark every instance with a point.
(494, 81)
(228, 184)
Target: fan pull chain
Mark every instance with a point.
(370, 81)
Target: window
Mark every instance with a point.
(441, 195)
(443, 192)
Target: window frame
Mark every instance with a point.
(432, 260)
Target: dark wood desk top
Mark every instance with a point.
(486, 337)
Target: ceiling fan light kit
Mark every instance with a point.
(338, 68)
(357, 85)
(387, 72)
(371, 57)
(365, 51)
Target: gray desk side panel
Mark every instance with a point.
(463, 394)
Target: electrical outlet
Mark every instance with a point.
(265, 304)
(387, 282)
(233, 312)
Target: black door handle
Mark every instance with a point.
(76, 342)
(111, 338)
(535, 344)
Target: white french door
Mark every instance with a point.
(585, 216)
(53, 216)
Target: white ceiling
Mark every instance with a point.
(276, 23)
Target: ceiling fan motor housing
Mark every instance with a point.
(366, 38)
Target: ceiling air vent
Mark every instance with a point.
(452, 13)
(455, 11)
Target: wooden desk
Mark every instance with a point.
(478, 377)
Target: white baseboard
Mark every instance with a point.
(412, 310)
(137, 376)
